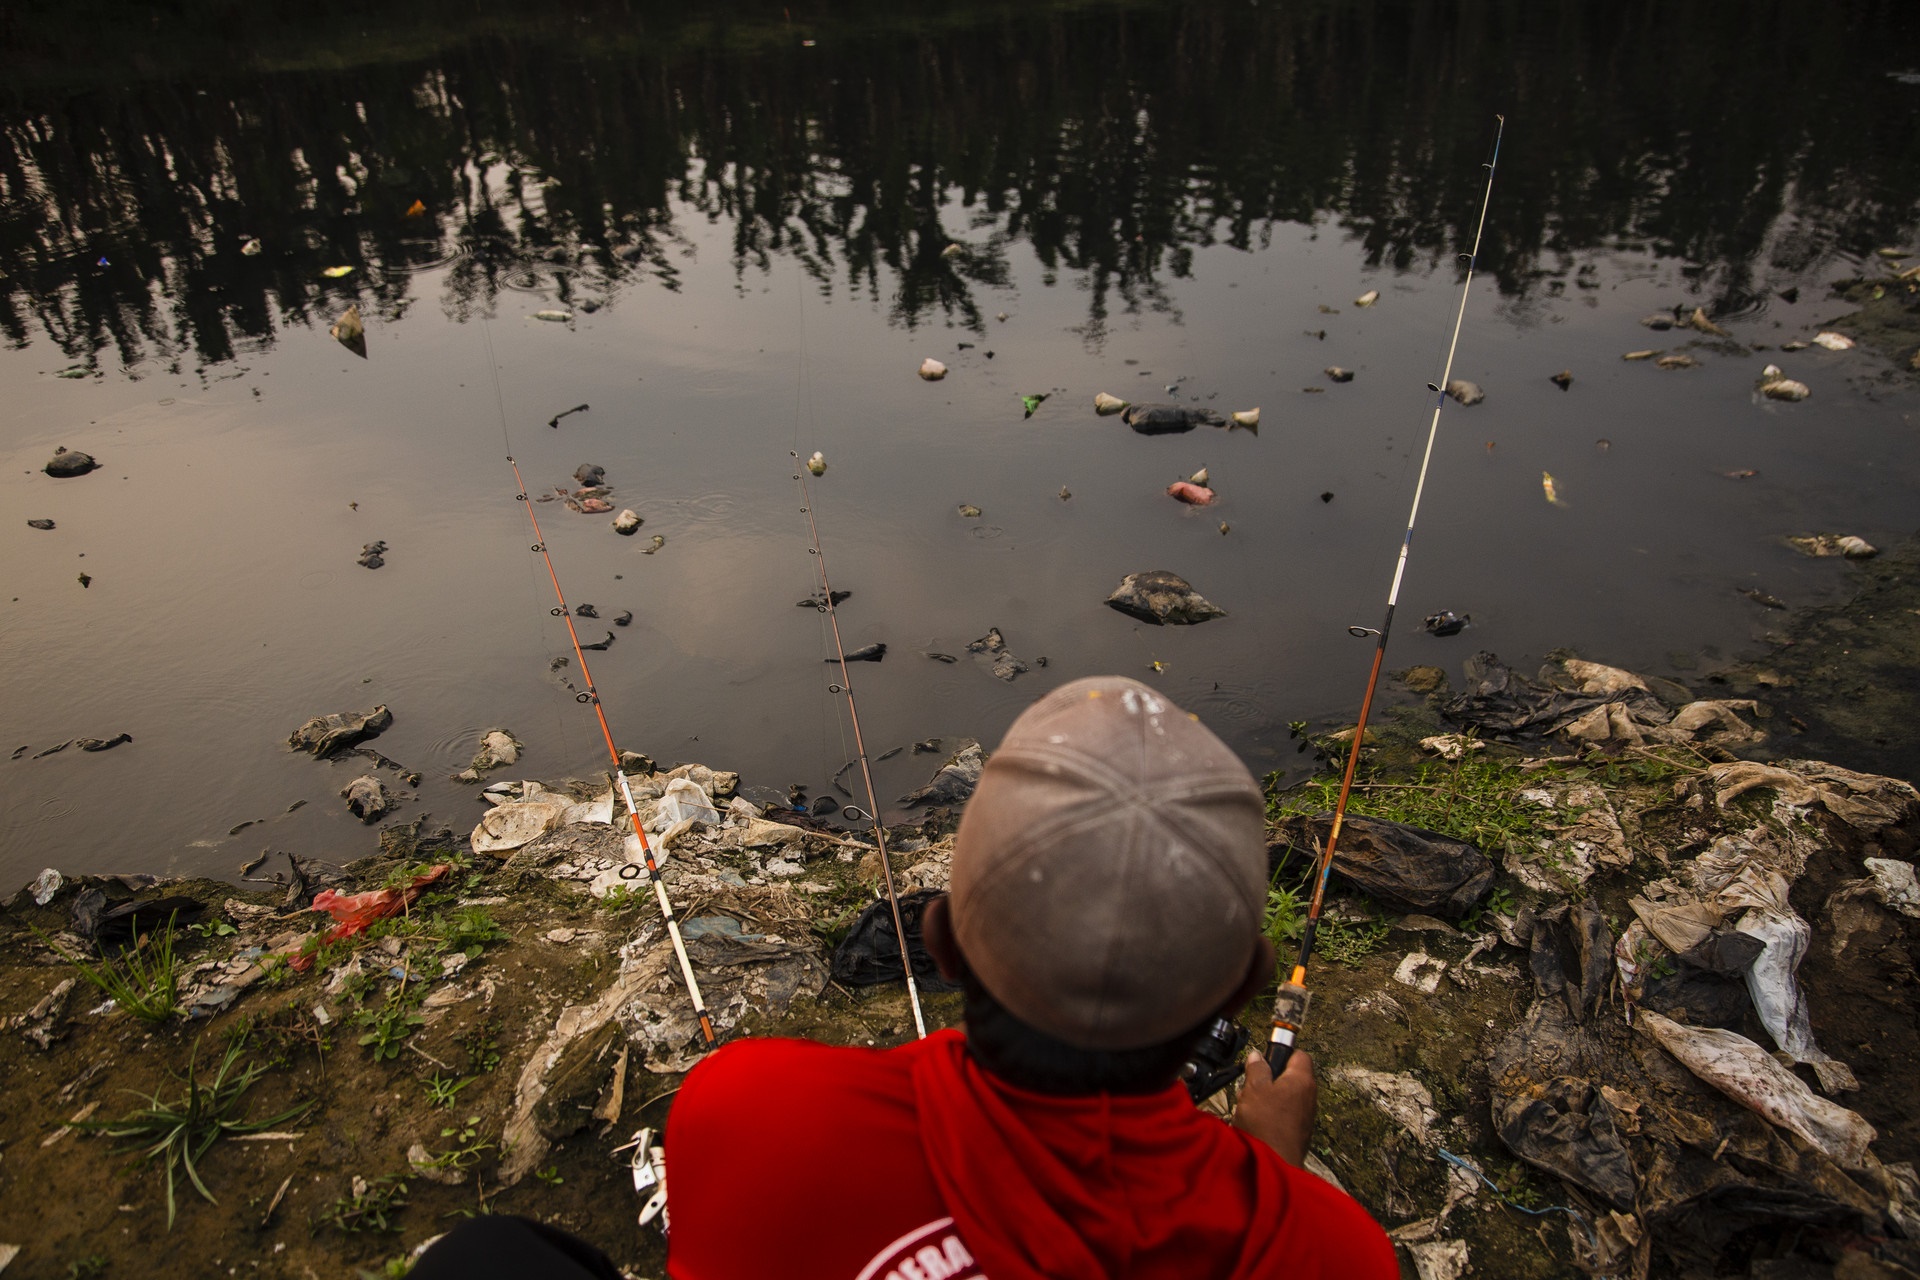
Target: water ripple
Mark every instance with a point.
(443, 256)
(1230, 703)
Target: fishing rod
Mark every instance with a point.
(845, 686)
(1290, 1005)
(591, 696)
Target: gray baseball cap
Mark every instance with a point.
(1110, 870)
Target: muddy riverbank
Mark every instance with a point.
(492, 1045)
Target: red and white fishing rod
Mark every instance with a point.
(1290, 1005)
(592, 697)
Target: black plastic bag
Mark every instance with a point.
(870, 953)
(117, 924)
(1404, 868)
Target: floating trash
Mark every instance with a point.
(349, 332)
(1699, 320)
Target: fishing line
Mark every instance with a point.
(1290, 1004)
(539, 647)
(845, 685)
(803, 410)
(591, 696)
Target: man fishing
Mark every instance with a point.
(1108, 882)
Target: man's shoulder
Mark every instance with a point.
(777, 1085)
(801, 1131)
(761, 1063)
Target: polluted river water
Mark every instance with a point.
(753, 233)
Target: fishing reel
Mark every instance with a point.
(1216, 1060)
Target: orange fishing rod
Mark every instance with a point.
(592, 698)
(1290, 1005)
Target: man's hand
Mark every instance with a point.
(1280, 1112)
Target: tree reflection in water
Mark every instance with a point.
(559, 153)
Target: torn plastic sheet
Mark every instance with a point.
(738, 972)
(870, 953)
(538, 810)
(1402, 1098)
(1751, 1076)
(1587, 836)
(1894, 884)
(1405, 868)
(1715, 723)
(1866, 802)
(684, 801)
(1753, 875)
(1547, 1110)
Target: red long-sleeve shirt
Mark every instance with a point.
(796, 1160)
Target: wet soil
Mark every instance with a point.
(78, 1200)
(1847, 677)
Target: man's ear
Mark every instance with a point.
(936, 930)
(1259, 973)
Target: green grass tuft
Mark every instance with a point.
(1474, 799)
(177, 1133)
(144, 979)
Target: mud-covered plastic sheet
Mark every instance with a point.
(870, 953)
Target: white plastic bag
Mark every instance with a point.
(684, 801)
(1777, 997)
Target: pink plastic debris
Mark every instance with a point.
(354, 912)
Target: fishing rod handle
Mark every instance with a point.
(1289, 1015)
